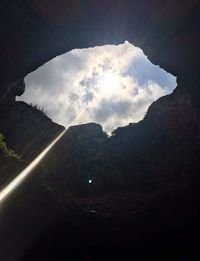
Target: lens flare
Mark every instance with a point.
(27, 171)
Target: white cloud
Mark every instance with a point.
(110, 85)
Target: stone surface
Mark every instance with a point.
(27, 131)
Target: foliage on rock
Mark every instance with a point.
(9, 153)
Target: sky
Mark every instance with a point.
(112, 85)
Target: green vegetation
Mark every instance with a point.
(9, 153)
(37, 107)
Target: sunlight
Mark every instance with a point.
(28, 170)
(112, 85)
(110, 81)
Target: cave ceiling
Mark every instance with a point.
(35, 31)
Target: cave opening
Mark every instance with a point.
(112, 85)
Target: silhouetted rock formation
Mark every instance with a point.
(144, 191)
(27, 131)
(79, 164)
(152, 203)
(161, 149)
(88, 131)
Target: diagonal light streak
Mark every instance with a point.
(7, 190)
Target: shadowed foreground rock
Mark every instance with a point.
(144, 197)
(28, 131)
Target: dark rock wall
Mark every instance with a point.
(27, 131)
(161, 150)
(35, 31)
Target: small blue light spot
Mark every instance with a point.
(90, 181)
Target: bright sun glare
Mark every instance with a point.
(110, 85)
(110, 81)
